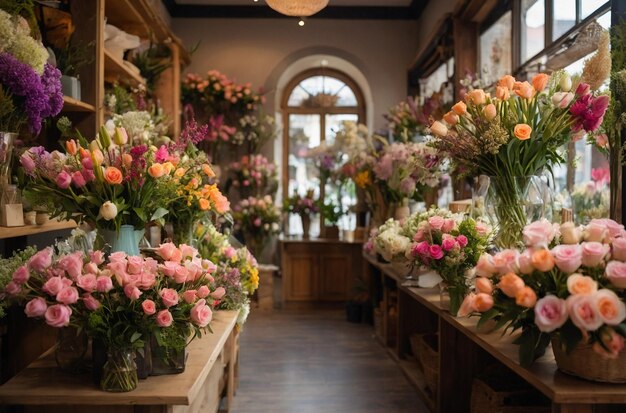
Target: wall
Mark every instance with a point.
(431, 17)
(259, 50)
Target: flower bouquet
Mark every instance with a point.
(253, 175)
(513, 136)
(257, 219)
(591, 200)
(107, 183)
(254, 130)
(566, 286)
(391, 242)
(119, 303)
(448, 244)
(304, 206)
(408, 118)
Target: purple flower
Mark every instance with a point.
(51, 81)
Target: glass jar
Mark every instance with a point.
(120, 371)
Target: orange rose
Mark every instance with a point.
(451, 118)
(169, 167)
(484, 285)
(127, 160)
(156, 170)
(438, 128)
(510, 284)
(522, 131)
(208, 171)
(524, 90)
(179, 173)
(460, 108)
(113, 175)
(71, 147)
(204, 204)
(542, 260)
(540, 81)
(581, 284)
(477, 96)
(502, 93)
(507, 81)
(526, 297)
(483, 302)
(490, 112)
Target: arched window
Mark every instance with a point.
(314, 105)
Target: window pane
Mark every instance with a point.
(533, 27)
(564, 17)
(434, 82)
(333, 124)
(346, 97)
(605, 20)
(322, 91)
(589, 6)
(495, 49)
(304, 133)
(297, 96)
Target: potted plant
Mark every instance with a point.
(69, 60)
(331, 213)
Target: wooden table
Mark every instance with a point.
(209, 372)
(464, 352)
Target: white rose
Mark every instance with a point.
(108, 210)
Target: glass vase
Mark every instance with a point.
(306, 225)
(167, 360)
(120, 371)
(70, 349)
(126, 240)
(510, 204)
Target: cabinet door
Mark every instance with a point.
(335, 277)
(300, 281)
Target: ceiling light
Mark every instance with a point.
(297, 8)
(301, 22)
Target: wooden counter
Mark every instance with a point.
(319, 269)
(209, 372)
(464, 352)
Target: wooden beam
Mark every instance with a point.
(465, 50)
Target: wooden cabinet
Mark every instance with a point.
(319, 270)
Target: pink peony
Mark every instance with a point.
(36, 307)
(104, 284)
(21, 275)
(616, 273)
(218, 293)
(41, 260)
(203, 291)
(594, 253)
(67, 295)
(149, 307)
(619, 249)
(169, 297)
(91, 303)
(164, 318)
(583, 312)
(87, 282)
(568, 258)
(58, 315)
(201, 314)
(435, 252)
(63, 180)
(132, 292)
(550, 313)
(436, 222)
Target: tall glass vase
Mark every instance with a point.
(306, 225)
(126, 240)
(120, 371)
(510, 204)
(71, 348)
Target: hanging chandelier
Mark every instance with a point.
(297, 8)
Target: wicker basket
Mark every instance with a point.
(427, 348)
(585, 363)
(506, 394)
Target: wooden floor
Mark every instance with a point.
(305, 361)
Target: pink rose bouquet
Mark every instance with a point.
(567, 285)
(257, 220)
(448, 244)
(253, 175)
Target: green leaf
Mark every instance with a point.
(141, 214)
(136, 336)
(159, 213)
(570, 336)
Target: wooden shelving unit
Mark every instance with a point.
(12, 232)
(73, 105)
(115, 70)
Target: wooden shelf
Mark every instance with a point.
(116, 70)
(124, 15)
(12, 232)
(43, 383)
(73, 105)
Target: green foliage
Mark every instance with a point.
(152, 62)
(330, 211)
(71, 58)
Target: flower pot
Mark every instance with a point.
(70, 86)
(511, 203)
(585, 363)
(30, 218)
(306, 225)
(126, 240)
(120, 371)
(331, 232)
(42, 217)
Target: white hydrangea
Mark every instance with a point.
(390, 242)
(7, 31)
(29, 51)
(138, 124)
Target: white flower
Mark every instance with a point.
(108, 210)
